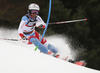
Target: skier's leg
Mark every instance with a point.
(38, 36)
(36, 42)
(47, 45)
(50, 47)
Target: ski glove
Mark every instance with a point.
(24, 38)
(40, 25)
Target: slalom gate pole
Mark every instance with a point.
(69, 21)
(9, 39)
(46, 23)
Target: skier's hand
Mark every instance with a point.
(24, 38)
(40, 24)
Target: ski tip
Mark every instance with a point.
(81, 63)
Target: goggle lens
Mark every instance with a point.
(34, 12)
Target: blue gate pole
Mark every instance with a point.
(46, 23)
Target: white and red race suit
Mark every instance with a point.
(27, 27)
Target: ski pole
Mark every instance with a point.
(69, 21)
(9, 39)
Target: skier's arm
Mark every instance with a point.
(40, 23)
(20, 29)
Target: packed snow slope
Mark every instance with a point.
(18, 59)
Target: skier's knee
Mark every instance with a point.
(43, 41)
(35, 41)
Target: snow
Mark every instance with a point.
(17, 57)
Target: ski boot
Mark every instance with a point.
(56, 55)
(69, 60)
(49, 53)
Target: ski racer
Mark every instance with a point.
(27, 30)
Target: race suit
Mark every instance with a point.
(27, 29)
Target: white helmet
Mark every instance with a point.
(33, 6)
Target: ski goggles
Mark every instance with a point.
(34, 12)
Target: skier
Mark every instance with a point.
(27, 30)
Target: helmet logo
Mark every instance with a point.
(34, 7)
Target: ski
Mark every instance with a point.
(80, 63)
